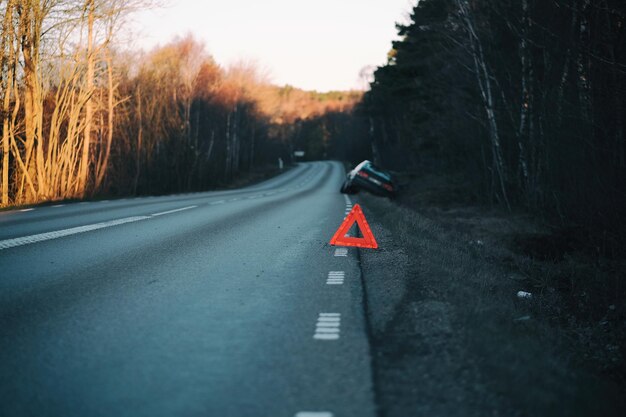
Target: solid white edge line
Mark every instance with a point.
(41, 237)
(172, 211)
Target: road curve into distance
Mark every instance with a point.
(226, 303)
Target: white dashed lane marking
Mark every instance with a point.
(314, 414)
(328, 326)
(335, 277)
(59, 205)
(27, 209)
(341, 252)
(172, 211)
(348, 210)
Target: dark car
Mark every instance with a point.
(367, 176)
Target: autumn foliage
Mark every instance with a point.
(81, 117)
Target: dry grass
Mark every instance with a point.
(457, 334)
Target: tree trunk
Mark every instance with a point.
(235, 145)
(375, 153)
(524, 132)
(252, 134)
(227, 171)
(582, 67)
(139, 142)
(102, 167)
(8, 62)
(30, 51)
(566, 65)
(483, 78)
(210, 151)
(195, 152)
(84, 162)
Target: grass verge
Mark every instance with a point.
(452, 338)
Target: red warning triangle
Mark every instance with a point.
(340, 238)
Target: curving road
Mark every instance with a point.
(226, 303)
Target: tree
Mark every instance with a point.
(525, 99)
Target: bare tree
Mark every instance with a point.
(484, 81)
(7, 71)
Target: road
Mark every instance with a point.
(226, 303)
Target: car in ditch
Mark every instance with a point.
(369, 177)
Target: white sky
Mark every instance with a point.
(311, 44)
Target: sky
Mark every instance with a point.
(314, 44)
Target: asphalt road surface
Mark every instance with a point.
(226, 303)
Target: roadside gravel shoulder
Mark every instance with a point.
(450, 337)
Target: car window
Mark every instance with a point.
(378, 171)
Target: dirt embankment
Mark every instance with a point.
(451, 336)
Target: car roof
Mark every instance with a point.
(362, 164)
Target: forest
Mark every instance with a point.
(523, 98)
(83, 115)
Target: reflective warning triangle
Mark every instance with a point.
(340, 238)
